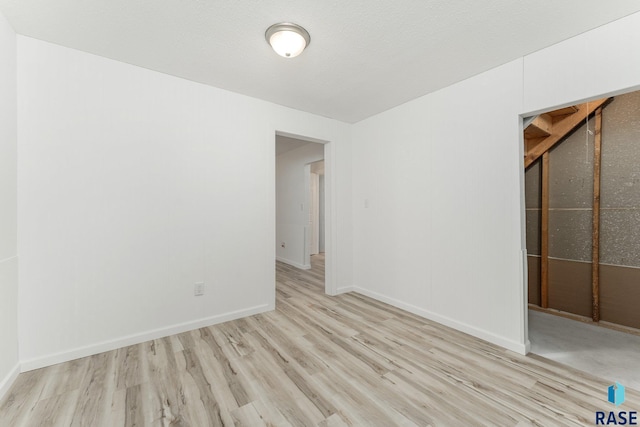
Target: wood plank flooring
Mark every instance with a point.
(315, 360)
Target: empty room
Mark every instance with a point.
(319, 213)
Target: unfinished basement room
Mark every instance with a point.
(319, 213)
(583, 241)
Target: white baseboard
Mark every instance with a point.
(294, 264)
(460, 326)
(77, 353)
(345, 289)
(8, 380)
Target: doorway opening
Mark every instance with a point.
(316, 240)
(302, 214)
(582, 201)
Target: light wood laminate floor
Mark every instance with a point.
(316, 360)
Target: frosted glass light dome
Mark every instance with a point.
(287, 40)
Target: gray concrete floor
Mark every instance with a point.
(607, 353)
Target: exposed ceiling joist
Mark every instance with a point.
(536, 146)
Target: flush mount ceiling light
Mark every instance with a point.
(288, 40)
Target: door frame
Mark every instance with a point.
(330, 283)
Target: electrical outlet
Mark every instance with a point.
(198, 289)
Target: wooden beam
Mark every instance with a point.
(544, 234)
(529, 143)
(539, 127)
(563, 112)
(595, 246)
(561, 129)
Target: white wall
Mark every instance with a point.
(8, 209)
(441, 233)
(133, 186)
(292, 207)
(600, 62)
(442, 176)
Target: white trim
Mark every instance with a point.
(330, 220)
(8, 381)
(345, 289)
(520, 348)
(523, 262)
(293, 263)
(524, 289)
(270, 214)
(65, 356)
(306, 230)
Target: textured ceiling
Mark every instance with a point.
(365, 57)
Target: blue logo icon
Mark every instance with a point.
(616, 394)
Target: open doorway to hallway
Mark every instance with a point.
(300, 206)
